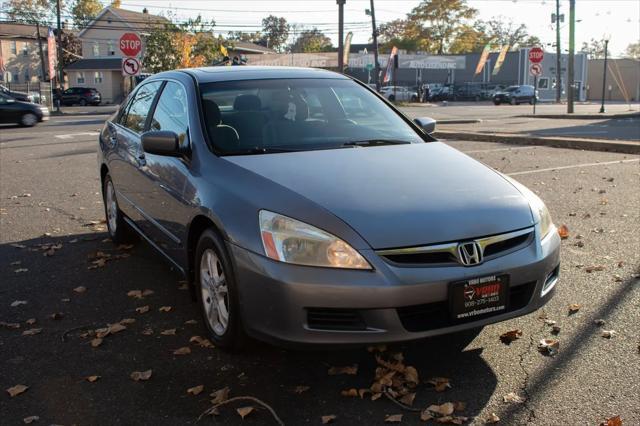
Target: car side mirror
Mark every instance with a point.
(427, 124)
(161, 142)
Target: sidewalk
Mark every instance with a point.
(85, 110)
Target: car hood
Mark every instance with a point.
(402, 195)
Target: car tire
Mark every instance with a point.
(119, 231)
(496, 102)
(392, 98)
(83, 102)
(531, 101)
(29, 119)
(217, 292)
(513, 101)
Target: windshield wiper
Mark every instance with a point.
(261, 150)
(376, 142)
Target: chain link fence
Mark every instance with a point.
(39, 93)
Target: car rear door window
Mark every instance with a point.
(139, 107)
(171, 111)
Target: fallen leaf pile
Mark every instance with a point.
(138, 376)
(612, 421)
(563, 231)
(16, 390)
(440, 384)
(443, 413)
(204, 343)
(510, 336)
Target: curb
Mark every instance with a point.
(582, 116)
(627, 147)
(80, 114)
(460, 121)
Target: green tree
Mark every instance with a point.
(84, 11)
(161, 51)
(312, 40)
(469, 40)
(594, 49)
(504, 31)
(276, 32)
(441, 22)
(402, 33)
(255, 37)
(633, 50)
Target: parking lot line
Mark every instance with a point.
(476, 151)
(574, 166)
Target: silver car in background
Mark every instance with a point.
(305, 209)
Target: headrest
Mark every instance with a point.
(247, 103)
(212, 112)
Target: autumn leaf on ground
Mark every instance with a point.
(127, 321)
(353, 392)
(185, 350)
(148, 331)
(607, 334)
(137, 294)
(17, 390)
(393, 418)
(196, 390)
(244, 411)
(574, 307)
(116, 328)
(169, 332)
(445, 409)
(20, 270)
(96, 342)
(56, 315)
(10, 325)
(612, 421)
(137, 376)
(599, 322)
(411, 375)
(425, 415)
(31, 321)
(92, 379)
(408, 399)
(555, 329)
(563, 231)
(513, 397)
(31, 332)
(510, 336)
(594, 268)
(30, 419)
(454, 420)
(350, 370)
(493, 418)
(440, 383)
(142, 309)
(549, 346)
(18, 303)
(300, 389)
(125, 247)
(328, 419)
(377, 348)
(80, 289)
(164, 309)
(221, 395)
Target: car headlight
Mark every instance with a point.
(291, 241)
(540, 212)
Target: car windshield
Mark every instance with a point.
(512, 88)
(279, 115)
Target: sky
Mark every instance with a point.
(617, 19)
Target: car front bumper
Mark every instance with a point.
(298, 305)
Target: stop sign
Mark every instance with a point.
(130, 44)
(536, 54)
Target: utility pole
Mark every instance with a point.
(572, 51)
(376, 63)
(59, 49)
(43, 68)
(340, 34)
(558, 54)
(604, 74)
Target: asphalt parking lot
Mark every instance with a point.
(50, 233)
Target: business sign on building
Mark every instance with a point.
(412, 61)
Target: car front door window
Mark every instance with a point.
(171, 112)
(139, 107)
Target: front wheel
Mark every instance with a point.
(513, 101)
(392, 98)
(83, 102)
(531, 101)
(217, 292)
(29, 119)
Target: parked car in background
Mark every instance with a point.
(13, 111)
(515, 95)
(468, 92)
(399, 93)
(80, 96)
(347, 225)
(489, 90)
(442, 93)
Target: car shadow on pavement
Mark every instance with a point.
(617, 129)
(69, 292)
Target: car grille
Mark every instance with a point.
(334, 319)
(430, 316)
(446, 254)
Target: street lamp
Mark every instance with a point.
(604, 72)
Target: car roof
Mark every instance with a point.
(249, 72)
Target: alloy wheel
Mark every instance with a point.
(214, 291)
(112, 208)
(29, 119)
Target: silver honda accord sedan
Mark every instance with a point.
(303, 208)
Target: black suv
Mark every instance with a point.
(515, 95)
(80, 95)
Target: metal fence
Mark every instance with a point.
(39, 93)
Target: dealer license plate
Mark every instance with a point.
(479, 296)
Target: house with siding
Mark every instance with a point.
(100, 66)
(19, 53)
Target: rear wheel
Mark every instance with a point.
(83, 102)
(392, 98)
(29, 119)
(217, 292)
(118, 229)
